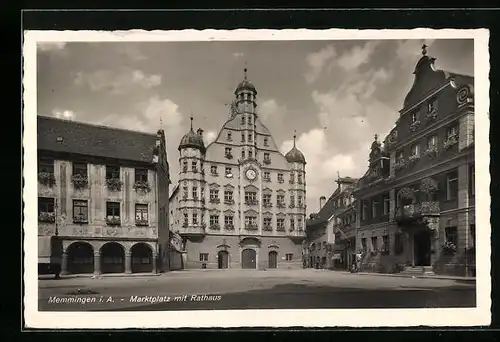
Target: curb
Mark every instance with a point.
(437, 277)
(91, 276)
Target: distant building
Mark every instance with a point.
(323, 251)
(416, 201)
(240, 203)
(104, 191)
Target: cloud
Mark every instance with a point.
(63, 114)
(51, 46)
(317, 60)
(238, 54)
(209, 137)
(270, 110)
(409, 51)
(117, 83)
(357, 56)
(132, 52)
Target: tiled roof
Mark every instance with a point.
(326, 211)
(66, 136)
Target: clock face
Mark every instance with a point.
(251, 174)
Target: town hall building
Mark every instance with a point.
(240, 203)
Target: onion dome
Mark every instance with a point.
(245, 85)
(192, 139)
(294, 155)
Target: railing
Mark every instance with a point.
(192, 229)
(417, 210)
(251, 226)
(297, 233)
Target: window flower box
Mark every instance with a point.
(432, 115)
(267, 227)
(184, 169)
(400, 164)
(113, 221)
(280, 229)
(431, 152)
(229, 201)
(449, 248)
(215, 200)
(291, 181)
(281, 205)
(413, 159)
(215, 174)
(281, 181)
(46, 178)
(406, 193)
(291, 206)
(114, 184)
(229, 156)
(229, 227)
(251, 226)
(452, 140)
(47, 217)
(80, 219)
(142, 186)
(141, 222)
(428, 186)
(251, 202)
(267, 161)
(267, 204)
(214, 227)
(184, 224)
(79, 181)
(414, 126)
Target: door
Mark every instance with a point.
(223, 259)
(273, 259)
(422, 248)
(248, 258)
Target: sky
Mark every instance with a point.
(335, 94)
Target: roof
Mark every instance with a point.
(326, 211)
(295, 156)
(191, 139)
(74, 137)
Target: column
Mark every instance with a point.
(392, 205)
(97, 262)
(64, 263)
(465, 131)
(154, 264)
(128, 262)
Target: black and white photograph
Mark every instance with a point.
(256, 178)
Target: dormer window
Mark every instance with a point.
(266, 142)
(242, 154)
(414, 117)
(250, 139)
(242, 137)
(432, 106)
(415, 150)
(243, 119)
(229, 136)
(250, 120)
(229, 173)
(228, 153)
(213, 170)
(250, 154)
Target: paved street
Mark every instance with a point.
(252, 289)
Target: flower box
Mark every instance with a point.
(214, 227)
(431, 116)
(142, 186)
(229, 156)
(141, 223)
(431, 152)
(80, 219)
(46, 178)
(267, 227)
(452, 140)
(281, 205)
(113, 221)
(414, 126)
(399, 165)
(280, 229)
(281, 181)
(251, 226)
(80, 181)
(47, 217)
(215, 200)
(251, 202)
(428, 186)
(114, 184)
(228, 201)
(267, 161)
(413, 159)
(449, 248)
(229, 227)
(267, 204)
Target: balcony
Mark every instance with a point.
(251, 202)
(267, 204)
(297, 233)
(198, 229)
(251, 226)
(417, 211)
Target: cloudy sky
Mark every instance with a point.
(336, 94)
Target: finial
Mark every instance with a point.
(424, 49)
(376, 136)
(161, 122)
(338, 175)
(294, 137)
(245, 71)
(191, 121)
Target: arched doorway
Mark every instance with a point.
(248, 258)
(80, 258)
(223, 259)
(142, 258)
(112, 258)
(273, 259)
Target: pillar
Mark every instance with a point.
(392, 204)
(97, 262)
(64, 263)
(155, 257)
(465, 131)
(128, 262)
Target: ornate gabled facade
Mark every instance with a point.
(104, 193)
(416, 202)
(240, 203)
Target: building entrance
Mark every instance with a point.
(223, 259)
(248, 258)
(273, 259)
(422, 248)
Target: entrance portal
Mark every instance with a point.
(223, 259)
(112, 258)
(273, 259)
(80, 258)
(248, 258)
(422, 248)
(142, 258)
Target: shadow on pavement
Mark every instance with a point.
(298, 296)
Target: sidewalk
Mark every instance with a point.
(110, 275)
(423, 276)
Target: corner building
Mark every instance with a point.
(104, 192)
(417, 200)
(240, 203)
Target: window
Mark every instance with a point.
(229, 173)
(242, 136)
(250, 197)
(194, 166)
(185, 219)
(184, 166)
(399, 156)
(46, 209)
(250, 138)
(113, 210)
(472, 180)
(141, 213)
(452, 185)
(387, 205)
(267, 221)
(266, 142)
(432, 106)
(250, 120)
(251, 221)
(432, 142)
(141, 175)
(299, 223)
(228, 220)
(228, 196)
(374, 208)
(185, 192)
(112, 172)
(472, 229)
(289, 257)
(292, 200)
(451, 235)
(80, 169)
(194, 192)
(364, 211)
(299, 178)
(46, 165)
(229, 136)
(363, 244)
(280, 177)
(267, 156)
(195, 218)
(228, 151)
(243, 154)
(214, 194)
(280, 199)
(213, 170)
(267, 175)
(280, 223)
(203, 257)
(250, 154)
(292, 223)
(385, 244)
(292, 177)
(266, 199)
(214, 220)
(415, 150)
(80, 211)
(243, 119)
(299, 201)
(374, 243)
(414, 117)
(451, 131)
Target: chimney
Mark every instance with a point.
(322, 201)
(200, 132)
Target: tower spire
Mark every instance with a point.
(294, 137)
(191, 118)
(424, 49)
(161, 122)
